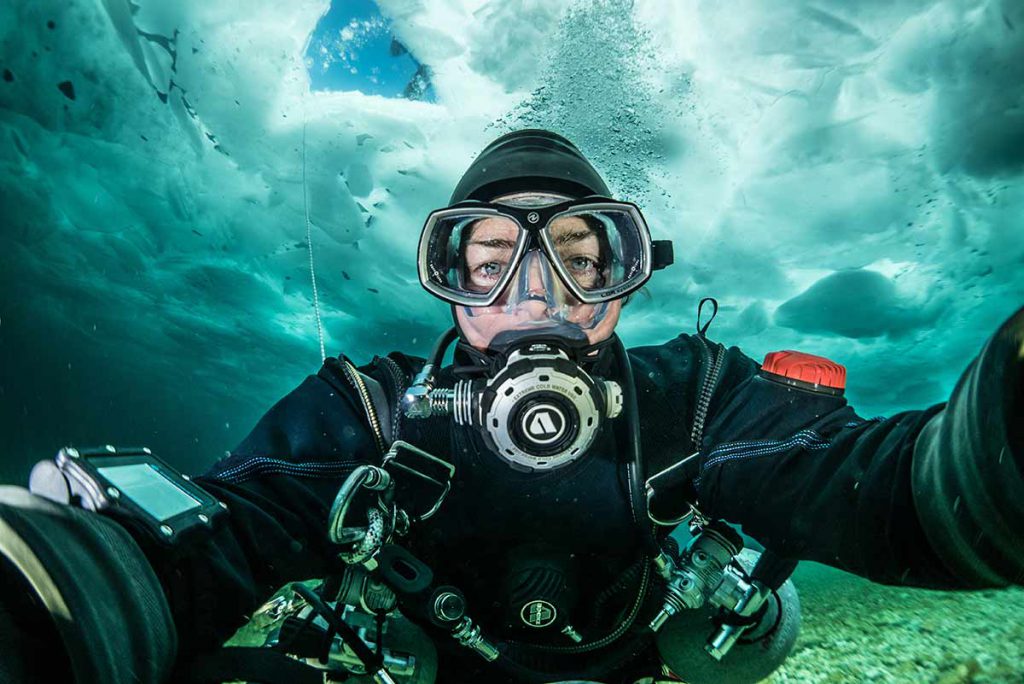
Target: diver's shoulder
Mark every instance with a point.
(408, 363)
(674, 358)
(402, 360)
(683, 343)
(394, 371)
(691, 349)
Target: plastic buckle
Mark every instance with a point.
(424, 467)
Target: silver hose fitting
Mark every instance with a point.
(752, 596)
(440, 401)
(701, 576)
(468, 634)
(416, 400)
(423, 400)
(682, 592)
(381, 676)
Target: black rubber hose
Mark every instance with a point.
(370, 660)
(620, 585)
(598, 668)
(636, 456)
(441, 345)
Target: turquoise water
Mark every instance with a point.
(845, 178)
(354, 47)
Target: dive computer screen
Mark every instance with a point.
(152, 491)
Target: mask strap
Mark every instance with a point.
(702, 331)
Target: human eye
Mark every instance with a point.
(484, 275)
(582, 263)
(491, 269)
(583, 266)
(586, 270)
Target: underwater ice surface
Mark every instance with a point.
(845, 178)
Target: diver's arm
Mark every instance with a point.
(278, 484)
(806, 476)
(968, 467)
(125, 604)
(78, 598)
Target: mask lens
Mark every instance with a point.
(470, 253)
(601, 250)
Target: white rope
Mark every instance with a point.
(309, 239)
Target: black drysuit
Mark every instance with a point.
(931, 498)
(800, 471)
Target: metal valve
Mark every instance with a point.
(700, 573)
(449, 610)
(707, 574)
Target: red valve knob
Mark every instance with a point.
(805, 370)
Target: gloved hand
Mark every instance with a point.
(77, 593)
(968, 467)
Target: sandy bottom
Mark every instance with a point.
(856, 631)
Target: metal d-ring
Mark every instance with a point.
(650, 491)
(372, 478)
(391, 459)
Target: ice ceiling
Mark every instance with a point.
(845, 178)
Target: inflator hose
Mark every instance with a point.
(599, 667)
(440, 346)
(635, 451)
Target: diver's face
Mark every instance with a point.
(492, 242)
(535, 300)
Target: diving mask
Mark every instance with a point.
(599, 250)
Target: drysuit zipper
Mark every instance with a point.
(400, 382)
(352, 375)
(707, 390)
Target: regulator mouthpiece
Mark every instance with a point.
(539, 411)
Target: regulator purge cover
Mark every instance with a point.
(541, 411)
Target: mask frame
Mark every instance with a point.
(533, 222)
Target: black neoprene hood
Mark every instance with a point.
(531, 159)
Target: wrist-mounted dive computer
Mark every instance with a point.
(131, 485)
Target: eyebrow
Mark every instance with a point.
(574, 236)
(493, 242)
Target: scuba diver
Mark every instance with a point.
(549, 507)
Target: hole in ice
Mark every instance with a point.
(354, 48)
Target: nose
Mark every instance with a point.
(535, 299)
(537, 282)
